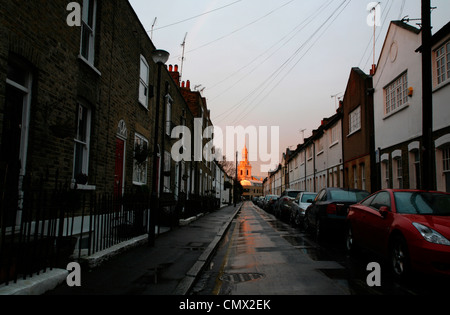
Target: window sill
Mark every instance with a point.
(437, 87)
(395, 111)
(83, 187)
(334, 143)
(353, 132)
(143, 106)
(80, 57)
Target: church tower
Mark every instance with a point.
(244, 167)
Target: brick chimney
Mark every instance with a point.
(175, 74)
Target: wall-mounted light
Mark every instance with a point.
(410, 91)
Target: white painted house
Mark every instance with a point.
(398, 107)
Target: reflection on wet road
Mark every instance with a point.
(261, 255)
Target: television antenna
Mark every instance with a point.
(153, 26)
(182, 56)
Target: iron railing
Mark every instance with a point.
(52, 227)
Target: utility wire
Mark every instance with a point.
(306, 22)
(286, 41)
(194, 17)
(279, 70)
(239, 29)
(293, 67)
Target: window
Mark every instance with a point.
(140, 160)
(355, 177)
(446, 159)
(399, 172)
(167, 167)
(443, 63)
(82, 139)
(380, 200)
(88, 30)
(385, 174)
(396, 94)
(334, 135)
(363, 176)
(144, 82)
(354, 120)
(169, 115)
(320, 145)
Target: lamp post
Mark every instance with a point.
(160, 57)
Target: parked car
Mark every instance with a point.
(299, 206)
(269, 202)
(282, 207)
(329, 210)
(409, 227)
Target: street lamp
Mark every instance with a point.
(160, 57)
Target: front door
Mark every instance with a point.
(10, 164)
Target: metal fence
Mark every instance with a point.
(48, 223)
(48, 228)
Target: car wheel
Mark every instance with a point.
(399, 257)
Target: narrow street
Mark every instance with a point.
(261, 255)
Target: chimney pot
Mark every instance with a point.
(176, 68)
(170, 68)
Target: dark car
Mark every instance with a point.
(411, 228)
(283, 207)
(270, 201)
(328, 210)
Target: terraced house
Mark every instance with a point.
(86, 115)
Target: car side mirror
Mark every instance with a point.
(384, 211)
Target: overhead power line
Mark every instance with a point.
(263, 87)
(197, 16)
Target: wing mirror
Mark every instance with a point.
(384, 211)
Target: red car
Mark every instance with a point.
(409, 227)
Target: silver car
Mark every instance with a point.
(301, 202)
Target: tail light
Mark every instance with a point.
(331, 209)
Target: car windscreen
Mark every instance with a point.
(422, 203)
(292, 194)
(348, 195)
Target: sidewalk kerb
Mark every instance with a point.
(189, 280)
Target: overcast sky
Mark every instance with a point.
(273, 63)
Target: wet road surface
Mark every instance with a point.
(260, 255)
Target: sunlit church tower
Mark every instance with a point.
(252, 186)
(244, 167)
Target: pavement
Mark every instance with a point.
(170, 267)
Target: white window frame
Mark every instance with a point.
(144, 82)
(89, 29)
(398, 172)
(167, 168)
(446, 159)
(140, 169)
(443, 63)
(396, 94)
(354, 121)
(83, 144)
(168, 124)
